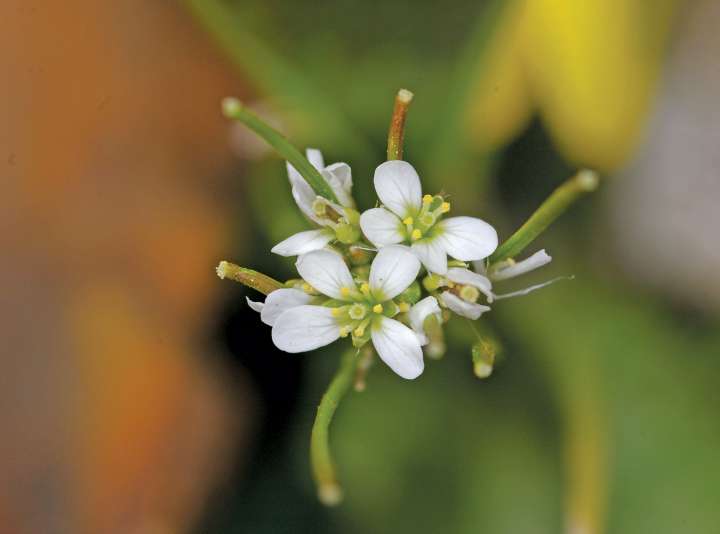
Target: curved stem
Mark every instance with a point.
(585, 181)
(234, 109)
(328, 488)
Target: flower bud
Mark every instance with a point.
(483, 357)
(347, 233)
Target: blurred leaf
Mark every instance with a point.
(590, 68)
(654, 383)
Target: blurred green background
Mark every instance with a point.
(139, 395)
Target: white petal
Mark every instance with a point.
(468, 238)
(535, 261)
(468, 278)
(398, 347)
(303, 242)
(280, 301)
(255, 306)
(315, 157)
(419, 312)
(293, 174)
(462, 307)
(381, 227)
(398, 187)
(305, 328)
(394, 268)
(431, 253)
(343, 174)
(325, 271)
(342, 195)
(304, 196)
(531, 288)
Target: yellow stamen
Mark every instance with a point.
(427, 199)
(365, 288)
(345, 291)
(378, 308)
(407, 221)
(404, 307)
(444, 207)
(344, 331)
(416, 234)
(307, 288)
(337, 312)
(359, 331)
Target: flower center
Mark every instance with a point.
(361, 311)
(433, 208)
(324, 210)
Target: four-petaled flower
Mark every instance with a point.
(411, 218)
(336, 220)
(362, 309)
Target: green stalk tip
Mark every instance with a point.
(585, 181)
(231, 107)
(252, 279)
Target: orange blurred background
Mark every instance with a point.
(112, 219)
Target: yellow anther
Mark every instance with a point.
(427, 199)
(365, 288)
(307, 288)
(404, 307)
(344, 331)
(337, 312)
(407, 221)
(416, 234)
(345, 291)
(378, 308)
(444, 207)
(359, 331)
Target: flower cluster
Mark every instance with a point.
(386, 275)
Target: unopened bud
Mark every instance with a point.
(483, 357)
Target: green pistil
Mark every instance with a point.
(357, 311)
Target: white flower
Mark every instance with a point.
(363, 310)
(411, 218)
(320, 210)
(465, 286)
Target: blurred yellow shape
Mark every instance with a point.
(588, 68)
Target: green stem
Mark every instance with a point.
(233, 109)
(253, 279)
(396, 133)
(328, 488)
(585, 181)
